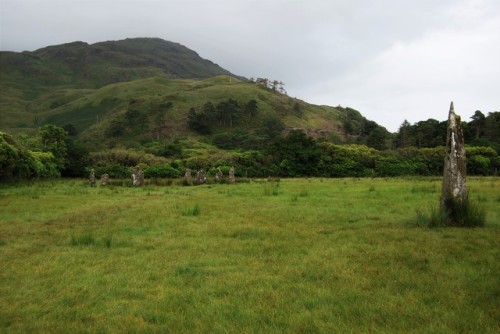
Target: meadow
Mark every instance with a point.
(294, 256)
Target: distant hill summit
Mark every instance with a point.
(83, 65)
(109, 62)
(25, 76)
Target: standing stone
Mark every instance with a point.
(137, 177)
(232, 178)
(454, 184)
(104, 179)
(140, 175)
(92, 178)
(219, 176)
(200, 177)
(188, 181)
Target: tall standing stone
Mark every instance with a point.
(92, 178)
(219, 176)
(454, 184)
(232, 178)
(104, 179)
(187, 176)
(200, 177)
(137, 177)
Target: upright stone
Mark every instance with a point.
(141, 177)
(200, 177)
(104, 179)
(137, 177)
(187, 176)
(232, 178)
(219, 176)
(92, 178)
(454, 174)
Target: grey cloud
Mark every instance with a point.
(382, 57)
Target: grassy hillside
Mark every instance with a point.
(27, 76)
(135, 91)
(165, 103)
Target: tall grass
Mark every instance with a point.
(194, 211)
(271, 189)
(82, 240)
(454, 213)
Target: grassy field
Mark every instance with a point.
(296, 256)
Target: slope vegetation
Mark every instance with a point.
(143, 89)
(28, 76)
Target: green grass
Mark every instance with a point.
(346, 255)
(194, 211)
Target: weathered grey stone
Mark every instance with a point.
(232, 178)
(219, 176)
(104, 179)
(188, 180)
(200, 177)
(454, 173)
(137, 177)
(92, 178)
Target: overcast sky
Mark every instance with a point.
(390, 59)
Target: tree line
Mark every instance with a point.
(275, 85)
(51, 153)
(416, 149)
(297, 155)
(481, 130)
(225, 113)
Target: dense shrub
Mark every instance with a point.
(18, 162)
(392, 166)
(295, 155)
(482, 160)
(44, 164)
(114, 171)
(8, 155)
(125, 158)
(162, 171)
(346, 160)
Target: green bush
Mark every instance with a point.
(115, 171)
(18, 162)
(346, 160)
(44, 164)
(392, 166)
(127, 158)
(8, 155)
(481, 160)
(162, 171)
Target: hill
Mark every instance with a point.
(27, 76)
(131, 92)
(158, 107)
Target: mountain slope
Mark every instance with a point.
(28, 75)
(164, 104)
(135, 91)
